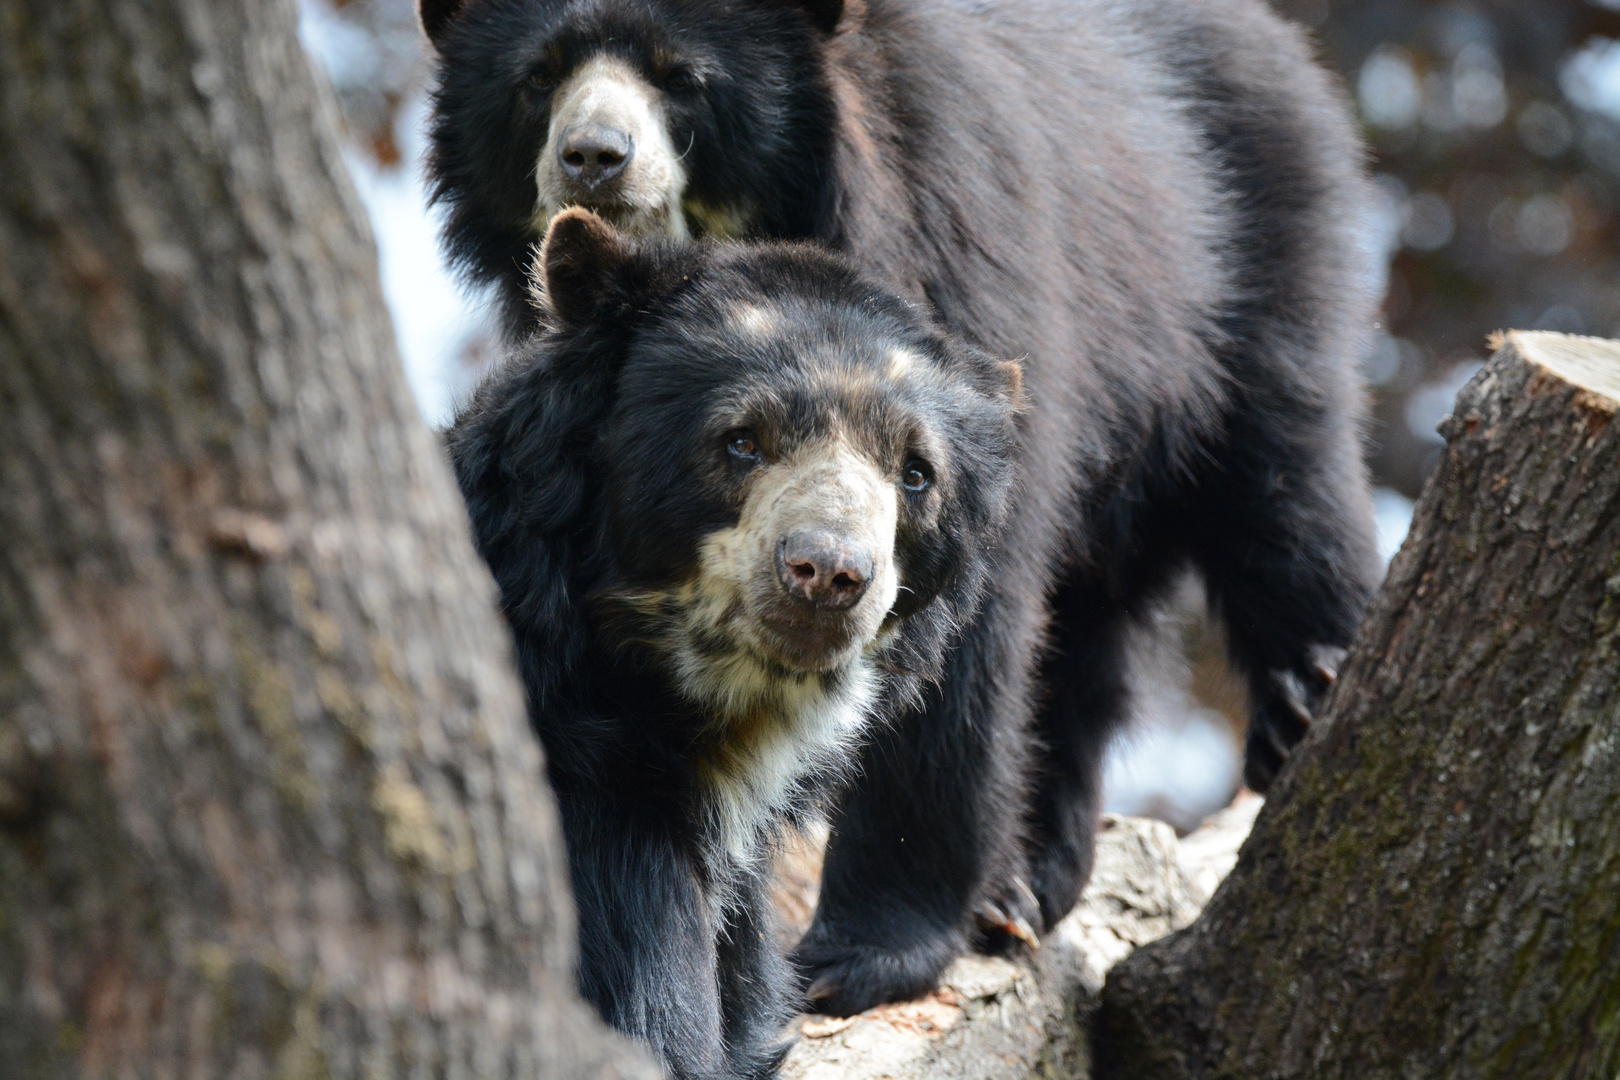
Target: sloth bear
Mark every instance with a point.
(731, 494)
(1159, 205)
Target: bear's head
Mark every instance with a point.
(671, 117)
(743, 457)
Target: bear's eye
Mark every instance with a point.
(682, 79)
(917, 475)
(541, 78)
(742, 444)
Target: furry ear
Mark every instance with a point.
(823, 14)
(1012, 374)
(580, 261)
(999, 379)
(437, 15)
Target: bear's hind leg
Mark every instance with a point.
(1285, 542)
(1087, 701)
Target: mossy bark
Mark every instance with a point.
(269, 805)
(1433, 889)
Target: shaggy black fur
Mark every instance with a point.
(595, 464)
(1161, 205)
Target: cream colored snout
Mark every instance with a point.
(608, 149)
(811, 559)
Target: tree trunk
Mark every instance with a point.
(269, 804)
(1433, 890)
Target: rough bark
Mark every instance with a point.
(1431, 891)
(269, 806)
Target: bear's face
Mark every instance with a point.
(792, 465)
(660, 117)
(768, 496)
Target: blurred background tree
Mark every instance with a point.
(1496, 143)
(1495, 133)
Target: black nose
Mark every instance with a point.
(823, 569)
(592, 154)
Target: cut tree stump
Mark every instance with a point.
(1433, 887)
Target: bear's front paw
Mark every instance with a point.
(1283, 715)
(1009, 913)
(843, 978)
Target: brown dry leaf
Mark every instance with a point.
(928, 1016)
(819, 1027)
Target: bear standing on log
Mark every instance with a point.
(730, 495)
(1159, 206)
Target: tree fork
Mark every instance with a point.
(269, 804)
(1432, 888)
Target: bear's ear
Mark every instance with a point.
(436, 16)
(1012, 376)
(823, 14)
(581, 260)
(1000, 379)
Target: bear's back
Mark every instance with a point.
(1123, 193)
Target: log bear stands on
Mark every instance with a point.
(1160, 204)
(732, 495)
